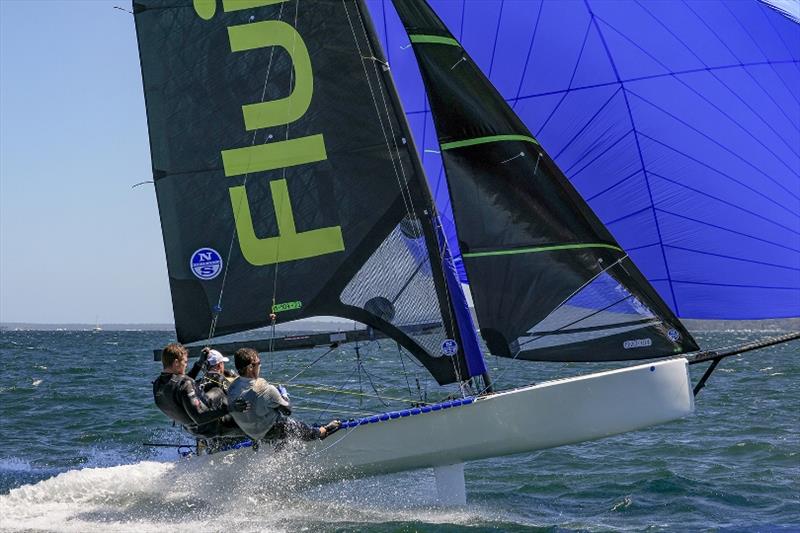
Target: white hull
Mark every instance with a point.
(532, 418)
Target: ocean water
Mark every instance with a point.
(76, 407)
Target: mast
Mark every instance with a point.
(444, 270)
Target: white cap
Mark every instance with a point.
(215, 358)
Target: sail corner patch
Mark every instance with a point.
(206, 263)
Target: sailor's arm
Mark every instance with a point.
(197, 405)
(198, 365)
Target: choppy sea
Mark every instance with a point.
(76, 406)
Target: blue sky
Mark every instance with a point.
(76, 242)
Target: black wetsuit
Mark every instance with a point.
(212, 380)
(215, 387)
(181, 399)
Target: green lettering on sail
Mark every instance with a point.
(263, 157)
(238, 5)
(289, 245)
(276, 33)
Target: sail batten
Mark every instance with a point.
(537, 257)
(538, 249)
(432, 39)
(488, 139)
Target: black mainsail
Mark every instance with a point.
(548, 279)
(286, 178)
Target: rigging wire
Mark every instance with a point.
(403, 189)
(279, 208)
(315, 361)
(405, 373)
(404, 185)
(372, 384)
(360, 367)
(360, 385)
(340, 390)
(581, 319)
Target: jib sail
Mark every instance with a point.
(286, 179)
(548, 280)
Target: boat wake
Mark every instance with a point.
(257, 492)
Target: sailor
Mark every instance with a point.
(268, 415)
(214, 383)
(216, 376)
(181, 399)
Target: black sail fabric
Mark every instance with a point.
(548, 280)
(286, 178)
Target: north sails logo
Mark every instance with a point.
(206, 263)
(637, 343)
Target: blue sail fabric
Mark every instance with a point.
(679, 123)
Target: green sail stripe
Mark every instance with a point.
(489, 139)
(433, 39)
(542, 249)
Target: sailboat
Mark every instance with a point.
(289, 186)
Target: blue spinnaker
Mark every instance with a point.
(679, 123)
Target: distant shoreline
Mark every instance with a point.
(790, 324)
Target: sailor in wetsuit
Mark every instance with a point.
(268, 414)
(181, 399)
(216, 376)
(214, 384)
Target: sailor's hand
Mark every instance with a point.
(204, 354)
(283, 391)
(240, 406)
